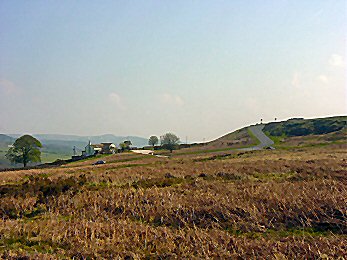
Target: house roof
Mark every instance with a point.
(97, 146)
(104, 145)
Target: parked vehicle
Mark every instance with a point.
(99, 162)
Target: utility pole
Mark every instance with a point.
(186, 139)
(74, 150)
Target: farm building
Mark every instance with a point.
(103, 148)
(88, 150)
(106, 148)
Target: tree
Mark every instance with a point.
(169, 141)
(125, 145)
(24, 150)
(153, 140)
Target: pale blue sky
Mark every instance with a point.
(196, 68)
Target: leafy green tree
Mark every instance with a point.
(153, 140)
(24, 150)
(169, 141)
(125, 145)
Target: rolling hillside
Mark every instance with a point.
(308, 132)
(264, 204)
(295, 132)
(82, 140)
(51, 150)
(61, 146)
(321, 130)
(239, 138)
(5, 141)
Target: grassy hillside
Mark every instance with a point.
(51, 150)
(228, 143)
(308, 132)
(302, 127)
(293, 132)
(262, 204)
(5, 139)
(4, 163)
(238, 138)
(45, 157)
(61, 146)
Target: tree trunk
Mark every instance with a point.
(25, 157)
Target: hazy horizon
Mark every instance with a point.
(198, 69)
(182, 138)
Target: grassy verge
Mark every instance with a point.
(207, 151)
(255, 140)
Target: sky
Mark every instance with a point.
(199, 69)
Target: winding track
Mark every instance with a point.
(257, 131)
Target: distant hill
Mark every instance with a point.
(6, 140)
(61, 146)
(81, 141)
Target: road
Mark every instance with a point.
(257, 131)
(149, 152)
(143, 151)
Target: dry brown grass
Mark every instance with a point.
(263, 204)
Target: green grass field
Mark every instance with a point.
(46, 156)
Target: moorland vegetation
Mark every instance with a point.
(288, 203)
